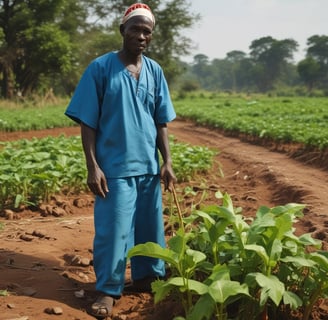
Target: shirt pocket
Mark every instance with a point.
(147, 98)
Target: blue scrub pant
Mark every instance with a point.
(130, 214)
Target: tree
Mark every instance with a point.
(32, 44)
(201, 65)
(168, 44)
(271, 57)
(234, 58)
(318, 48)
(309, 71)
(52, 41)
(317, 54)
(201, 69)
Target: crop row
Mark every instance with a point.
(301, 120)
(223, 265)
(31, 171)
(33, 118)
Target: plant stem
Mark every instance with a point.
(313, 300)
(179, 210)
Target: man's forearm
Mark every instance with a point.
(163, 143)
(88, 136)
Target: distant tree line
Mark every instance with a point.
(47, 44)
(268, 66)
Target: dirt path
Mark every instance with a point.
(41, 257)
(276, 179)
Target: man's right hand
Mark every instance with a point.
(97, 182)
(96, 179)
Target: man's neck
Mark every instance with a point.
(129, 59)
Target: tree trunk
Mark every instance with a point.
(8, 81)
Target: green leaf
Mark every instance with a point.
(290, 298)
(299, 261)
(275, 253)
(221, 290)
(321, 260)
(41, 156)
(5, 177)
(227, 214)
(203, 309)
(279, 210)
(205, 216)
(161, 289)
(3, 293)
(271, 286)
(218, 195)
(18, 200)
(30, 166)
(227, 202)
(197, 256)
(188, 284)
(262, 211)
(260, 251)
(154, 250)
(178, 243)
(219, 272)
(307, 240)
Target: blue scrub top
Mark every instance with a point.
(124, 111)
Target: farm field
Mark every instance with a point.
(45, 266)
(297, 119)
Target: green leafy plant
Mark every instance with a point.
(251, 269)
(31, 171)
(22, 117)
(34, 170)
(188, 268)
(190, 160)
(298, 119)
(4, 293)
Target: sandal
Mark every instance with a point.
(102, 307)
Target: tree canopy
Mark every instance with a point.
(268, 65)
(313, 70)
(49, 43)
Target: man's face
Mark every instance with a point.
(137, 34)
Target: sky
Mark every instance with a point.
(228, 25)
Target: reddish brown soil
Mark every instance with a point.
(43, 272)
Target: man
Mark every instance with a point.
(123, 104)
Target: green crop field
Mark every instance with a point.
(25, 118)
(31, 171)
(300, 120)
(221, 252)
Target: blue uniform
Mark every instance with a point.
(124, 112)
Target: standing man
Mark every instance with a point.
(123, 104)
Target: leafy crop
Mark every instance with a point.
(33, 118)
(221, 264)
(298, 119)
(302, 120)
(190, 160)
(31, 171)
(4, 293)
